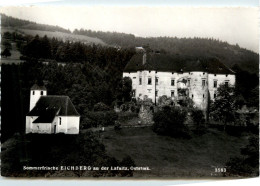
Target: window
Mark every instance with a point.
(33, 92)
(188, 82)
(172, 93)
(226, 83)
(215, 95)
(41, 93)
(192, 96)
(203, 82)
(156, 80)
(203, 96)
(172, 82)
(60, 120)
(149, 80)
(149, 90)
(134, 77)
(140, 81)
(156, 93)
(215, 83)
(133, 93)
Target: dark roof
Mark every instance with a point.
(171, 63)
(37, 87)
(47, 116)
(49, 106)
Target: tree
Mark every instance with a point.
(223, 107)
(7, 44)
(124, 90)
(170, 122)
(199, 119)
(6, 53)
(247, 164)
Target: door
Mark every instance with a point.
(54, 129)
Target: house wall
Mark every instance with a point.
(41, 128)
(61, 124)
(73, 124)
(28, 125)
(220, 78)
(66, 124)
(197, 92)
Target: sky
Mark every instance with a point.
(236, 25)
(236, 3)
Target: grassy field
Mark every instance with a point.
(173, 158)
(59, 35)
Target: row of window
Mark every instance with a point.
(149, 82)
(172, 94)
(34, 93)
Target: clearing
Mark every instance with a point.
(170, 157)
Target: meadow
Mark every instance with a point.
(171, 157)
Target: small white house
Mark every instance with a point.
(51, 114)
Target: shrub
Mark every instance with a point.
(101, 107)
(100, 118)
(127, 162)
(248, 164)
(170, 121)
(126, 116)
(164, 100)
(130, 106)
(199, 120)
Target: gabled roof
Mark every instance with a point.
(37, 87)
(47, 116)
(171, 63)
(47, 106)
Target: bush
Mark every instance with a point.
(164, 100)
(199, 121)
(100, 118)
(127, 162)
(130, 106)
(248, 164)
(101, 107)
(170, 121)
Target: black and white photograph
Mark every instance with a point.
(132, 92)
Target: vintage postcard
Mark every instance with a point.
(129, 92)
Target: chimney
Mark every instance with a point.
(144, 58)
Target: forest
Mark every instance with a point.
(8, 21)
(195, 47)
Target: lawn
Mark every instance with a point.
(59, 35)
(173, 158)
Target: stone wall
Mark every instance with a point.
(146, 114)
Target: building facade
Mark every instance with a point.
(51, 114)
(154, 75)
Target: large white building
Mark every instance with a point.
(51, 114)
(154, 75)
